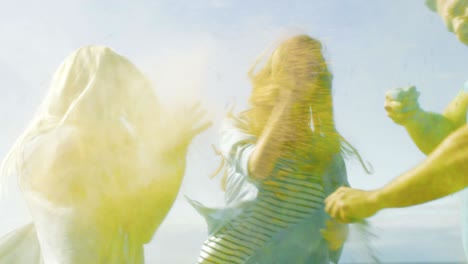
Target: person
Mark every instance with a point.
(99, 166)
(279, 168)
(442, 137)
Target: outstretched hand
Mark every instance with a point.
(196, 122)
(350, 205)
(401, 104)
(189, 122)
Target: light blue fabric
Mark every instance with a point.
(300, 242)
(236, 147)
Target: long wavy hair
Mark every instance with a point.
(298, 62)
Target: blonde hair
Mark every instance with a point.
(95, 89)
(298, 61)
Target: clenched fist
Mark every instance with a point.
(401, 104)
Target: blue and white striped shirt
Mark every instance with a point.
(273, 220)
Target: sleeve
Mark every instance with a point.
(237, 146)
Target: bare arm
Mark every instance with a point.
(455, 112)
(445, 171)
(426, 129)
(270, 142)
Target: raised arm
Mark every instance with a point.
(427, 129)
(278, 129)
(456, 111)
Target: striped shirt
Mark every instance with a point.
(265, 211)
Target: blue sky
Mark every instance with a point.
(204, 48)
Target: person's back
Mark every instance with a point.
(79, 221)
(97, 167)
